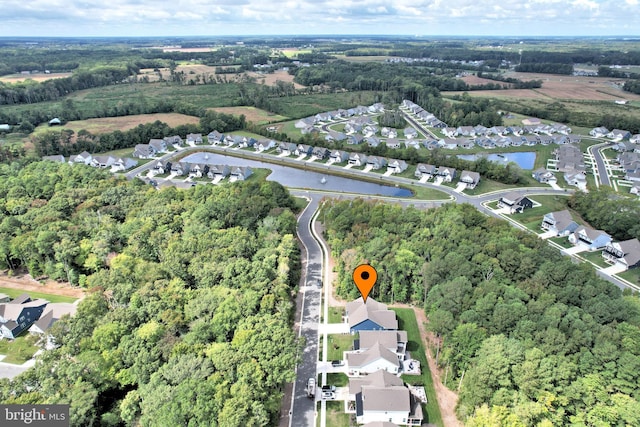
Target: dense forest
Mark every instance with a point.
(188, 315)
(527, 337)
(606, 210)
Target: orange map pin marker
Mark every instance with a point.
(365, 277)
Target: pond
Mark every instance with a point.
(298, 178)
(525, 159)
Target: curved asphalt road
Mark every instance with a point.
(598, 157)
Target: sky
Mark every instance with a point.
(99, 18)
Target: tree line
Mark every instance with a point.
(188, 316)
(526, 337)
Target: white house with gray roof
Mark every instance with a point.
(625, 254)
(375, 358)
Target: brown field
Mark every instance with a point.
(270, 79)
(475, 80)
(559, 87)
(252, 114)
(40, 77)
(110, 124)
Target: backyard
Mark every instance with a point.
(19, 350)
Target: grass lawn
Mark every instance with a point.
(123, 152)
(632, 275)
(337, 379)
(427, 193)
(49, 297)
(335, 314)
(19, 350)
(407, 321)
(336, 416)
(562, 241)
(594, 257)
(338, 344)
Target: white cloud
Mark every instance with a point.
(447, 17)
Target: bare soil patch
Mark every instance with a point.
(252, 114)
(270, 79)
(27, 283)
(475, 80)
(110, 124)
(40, 77)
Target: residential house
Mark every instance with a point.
(374, 358)
(59, 158)
(194, 138)
(450, 132)
(619, 135)
(181, 168)
(515, 203)
(372, 141)
(306, 122)
(338, 156)
(515, 130)
(423, 169)
(198, 170)
(465, 143)
(410, 133)
(389, 132)
(355, 139)
(413, 143)
(144, 151)
(559, 222)
(162, 166)
(287, 148)
(635, 190)
(587, 236)
(623, 146)
(530, 140)
(159, 145)
(396, 166)
(321, 152)
(380, 378)
(498, 131)
(448, 143)
(369, 316)
(394, 341)
(335, 136)
(470, 178)
(247, 143)
(561, 129)
(569, 159)
(480, 130)
(240, 173)
(51, 314)
(357, 159)
(353, 127)
(216, 171)
(378, 107)
(430, 144)
(626, 254)
(174, 140)
(18, 315)
(370, 130)
(303, 149)
(393, 143)
(632, 176)
(394, 404)
(83, 157)
(215, 137)
(599, 132)
(576, 179)
(264, 145)
(376, 162)
(466, 131)
(544, 176)
(503, 142)
(102, 161)
(485, 142)
(123, 164)
(447, 174)
(309, 130)
(323, 117)
(546, 139)
(635, 138)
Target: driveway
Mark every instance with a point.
(460, 187)
(614, 269)
(575, 250)
(547, 235)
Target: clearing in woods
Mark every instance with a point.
(38, 77)
(252, 114)
(110, 124)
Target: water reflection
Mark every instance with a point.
(297, 178)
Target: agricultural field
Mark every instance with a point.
(110, 124)
(40, 77)
(270, 79)
(252, 114)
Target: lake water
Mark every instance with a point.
(297, 178)
(525, 159)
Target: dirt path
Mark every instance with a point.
(27, 283)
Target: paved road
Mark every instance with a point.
(598, 157)
(303, 408)
(412, 121)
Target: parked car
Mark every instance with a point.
(328, 388)
(337, 363)
(311, 387)
(328, 395)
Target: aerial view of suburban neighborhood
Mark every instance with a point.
(322, 229)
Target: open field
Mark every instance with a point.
(270, 79)
(110, 124)
(252, 114)
(190, 70)
(293, 52)
(40, 77)
(13, 293)
(558, 87)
